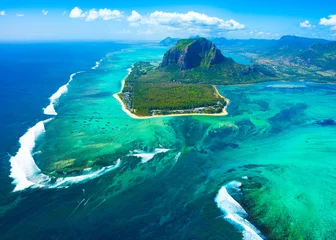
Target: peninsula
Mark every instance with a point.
(185, 81)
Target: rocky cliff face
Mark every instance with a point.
(191, 53)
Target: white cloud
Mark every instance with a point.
(45, 12)
(306, 24)
(93, 14)
(108, 14)
(264, 34)
(134, 19)
(64, 13)
(330, 21)
(261, 33)
(19, 14)
(77, 13)
(184, 21)
(2, 13)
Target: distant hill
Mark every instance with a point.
(292, 45)
(250, 45)
(319, 55)
(286, 45)
(298, 42)
(169, 41)
(197, 36)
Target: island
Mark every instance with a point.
(185, 81)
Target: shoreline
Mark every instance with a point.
(132, 115)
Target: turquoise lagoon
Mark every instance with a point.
(266, 170)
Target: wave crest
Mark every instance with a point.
(146, 156)
(97, 64)
(235, 213)
(50, 109)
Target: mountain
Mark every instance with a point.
(243, 45)
(169, 41)
(191, 53)
(200, 61)
(288, 46)
(319, 55)
(184, 82)
(197, 36)
(298, 42)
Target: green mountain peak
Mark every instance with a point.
(192, 53)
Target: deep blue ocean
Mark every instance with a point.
(29, 74)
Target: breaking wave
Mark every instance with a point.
(50, 109)
(87, 175)
(146, 156)
(97, 64)
(26, 173)
(235, 213)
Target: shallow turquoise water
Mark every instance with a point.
(270, 142)
(237, 57)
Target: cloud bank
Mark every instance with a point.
(94, 14)
(306, 24)
(330, 21)
(184, 21)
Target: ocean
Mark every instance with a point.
(30, 74)
(75, 166)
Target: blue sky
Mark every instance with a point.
(25, 20)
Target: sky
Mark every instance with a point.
(45, 20)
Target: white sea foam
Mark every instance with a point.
(50, 109)
(235, 213)
(64, 182)
(146, 156)
(97, 64)
(24, 171)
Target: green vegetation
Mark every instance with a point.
(320, 55)
(173, 96)
(149, 91)
(184, 43)
(291, 58)
(184, 81)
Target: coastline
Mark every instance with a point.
(132, 115)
